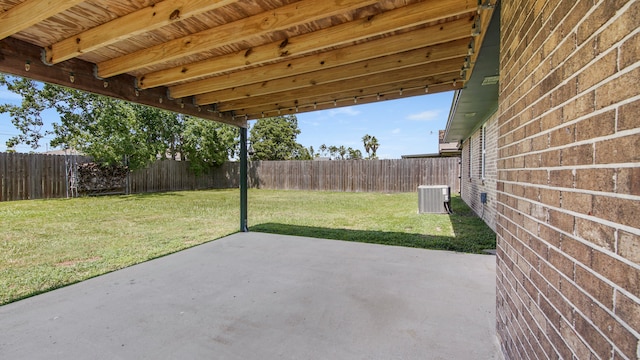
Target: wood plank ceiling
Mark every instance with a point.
(236, 60)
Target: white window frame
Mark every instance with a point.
(471, 158)
(483, 152)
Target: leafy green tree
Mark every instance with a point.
(370, 146)
(162, 128)
(342, 151)
(26, 118)
(354, 154)
(323, 150)
(373, 144)
(112, 131)
(302, 153)
(366, 141)
(313, 153)
(206, 144)
(104, 128)
(333, 151)
(275, 139)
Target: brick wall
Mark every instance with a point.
(568, 274)
(472, 181)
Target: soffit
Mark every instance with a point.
(478, 99)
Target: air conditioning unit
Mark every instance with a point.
(435, 199)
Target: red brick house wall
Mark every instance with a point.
(568, 190)
(474, 181)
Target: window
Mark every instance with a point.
(470, 158)
(483, 151)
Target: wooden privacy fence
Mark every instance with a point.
(390, 176)
(171, 175)
(35, 176)
(402, 175)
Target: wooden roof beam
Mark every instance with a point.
(400, 18)
(420, 71)
(23, 59)
(414, 87)
(434, 36)
(141, 21)
(356, 70)
(29, 13)
(282, 18)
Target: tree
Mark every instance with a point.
(323, 150)
(370, 146)
(106, 129)
(354, 154)
(27, 117)
(333, 150)
(275, 139)
(366, 140)
(206, 144)
(163, 128)
(373, 144)
(342, 151)
(111, 130)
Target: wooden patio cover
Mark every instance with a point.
(236, 60)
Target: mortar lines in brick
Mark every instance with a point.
(514, 295)
(517, 114)
(586, 191)
(539, 31)
(616, 226)
(621, 72)
(613, 136)
(541, 293)
(518, 23)
(603, 110)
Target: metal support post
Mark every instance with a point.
(243, 180)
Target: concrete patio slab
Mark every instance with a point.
(262, 296)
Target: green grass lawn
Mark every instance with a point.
(47, 244)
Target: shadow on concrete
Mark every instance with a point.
(264, 296)
(451, 243)
(365, 236)
(471, 234)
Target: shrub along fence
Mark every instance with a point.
(36, 176)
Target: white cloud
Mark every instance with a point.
(349, 110)
(311, 123)
(395, 131)
(424, 116)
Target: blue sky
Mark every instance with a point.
(404, 126)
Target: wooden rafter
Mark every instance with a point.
(22, 59)
(254, 26)
(323, 61)
(401, 18)
(144, 20)
(227, 100)
(29, 13)
(265, 56)
(414, 87)
(366, 69)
